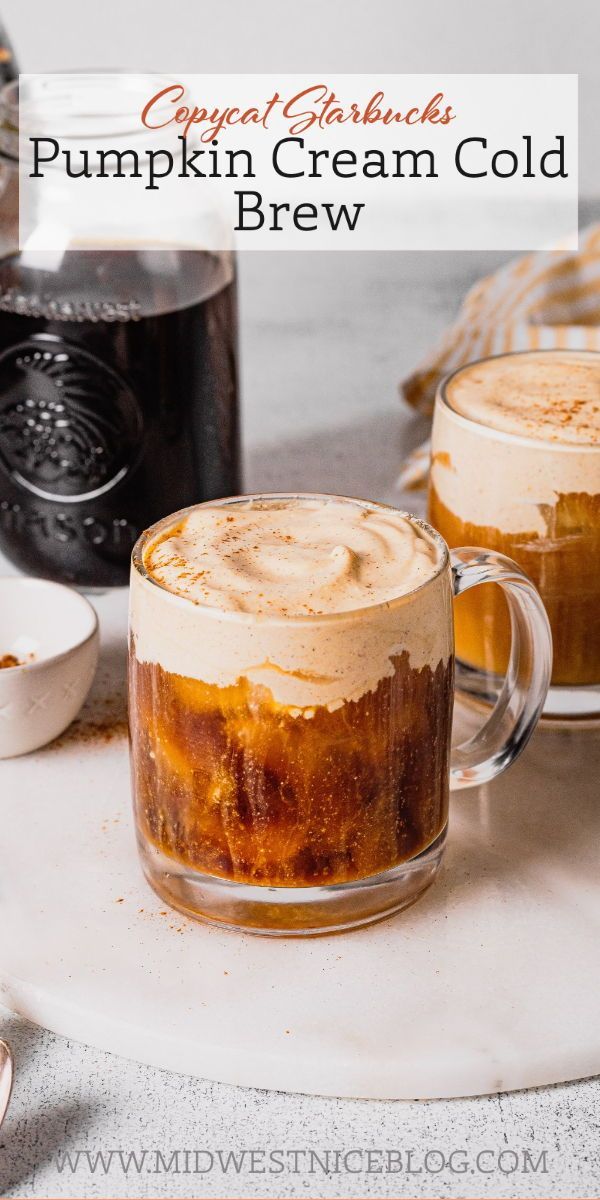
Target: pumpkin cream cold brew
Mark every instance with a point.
(516, 467)
(291, 673)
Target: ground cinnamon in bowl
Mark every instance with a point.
(9, 660)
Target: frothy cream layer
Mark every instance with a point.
(302, 559)
(508, 483)
(311, 598)
(552, 395)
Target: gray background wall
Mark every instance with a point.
(346, 35)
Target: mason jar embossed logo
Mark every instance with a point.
(70, 427)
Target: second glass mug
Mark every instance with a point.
(537, 500)
(271, 818)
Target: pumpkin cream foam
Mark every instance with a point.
(266, 589)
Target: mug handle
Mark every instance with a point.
(518, 707)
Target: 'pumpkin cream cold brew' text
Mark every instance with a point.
(291, 675)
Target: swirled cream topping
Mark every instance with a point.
(292, 558)
(551, 395)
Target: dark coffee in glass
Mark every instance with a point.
(118, 401)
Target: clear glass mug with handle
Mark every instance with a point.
(533, 495)
(267, 802)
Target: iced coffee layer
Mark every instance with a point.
(228, 785)
(310, 599)
(502, 483)
(564, 564)
(549, 395)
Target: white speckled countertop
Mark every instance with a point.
(325, 339)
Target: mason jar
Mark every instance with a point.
(118, 363)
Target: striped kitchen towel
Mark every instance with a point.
(545, 300)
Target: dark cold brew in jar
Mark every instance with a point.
(110, 414)
(118, 396)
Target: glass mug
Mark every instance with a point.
(260, 811)
(536, 500)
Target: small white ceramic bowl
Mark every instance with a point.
(53, 631)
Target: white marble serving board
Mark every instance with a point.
(491, 982)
